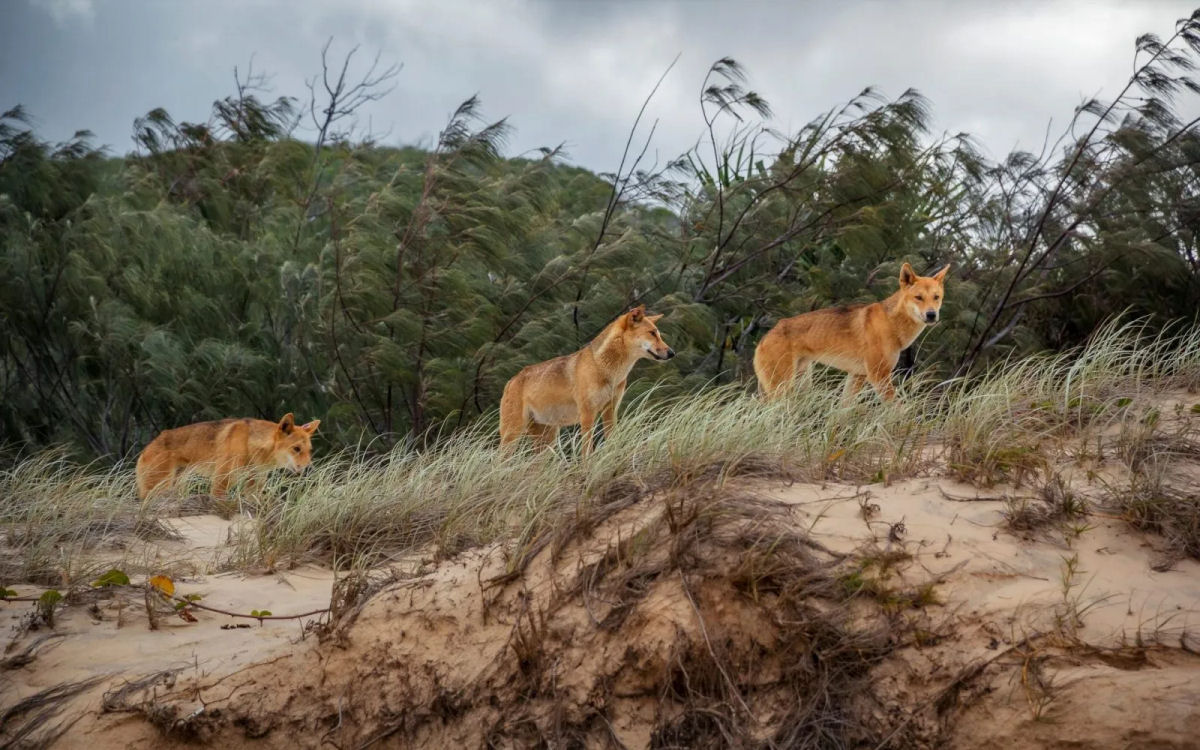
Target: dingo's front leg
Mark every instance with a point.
(544, 435)
(224, 474)
(587, 425)
(610, 410)
(880, 375)
(854, 384)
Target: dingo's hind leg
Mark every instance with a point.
(781, 375)
(225, 473)
(513, 422)
(777, 361)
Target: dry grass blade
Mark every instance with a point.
(30, 652)
(1151, 502)
(26, 724)
(118, 698)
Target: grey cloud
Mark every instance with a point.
(575, 72)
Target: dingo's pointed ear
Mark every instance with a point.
(654, 318)
(907, 275)
(637, 313)
(940, 275)
(312, 426)
(287, 424)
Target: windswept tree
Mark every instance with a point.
(277, 258)
(415, 274)
(1106, 213)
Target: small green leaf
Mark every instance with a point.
(180, 605)
(6, 593)
(1195, 408)
(1124, 401)
(260, 613)
(193, 597)
(113, 577)
(45, 605)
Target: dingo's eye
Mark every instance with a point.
(920, 298)
(296, 448)
(937, 297)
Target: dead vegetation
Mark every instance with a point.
(651, 596)
(1055, 506)
(1160, 490)
(1156, 500)
(705, 610)
(34, 722)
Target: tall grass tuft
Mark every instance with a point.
(55, 512)
(1005, 425)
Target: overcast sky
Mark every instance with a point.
(575, 72)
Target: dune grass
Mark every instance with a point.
(1005, 425)
(55, 511)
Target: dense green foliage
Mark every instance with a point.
(230, 268)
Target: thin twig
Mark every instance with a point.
(198, 605)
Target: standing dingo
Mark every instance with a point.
(862, 340)
(574, 388)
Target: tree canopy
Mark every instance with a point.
(230, 268)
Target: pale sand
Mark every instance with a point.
(432, 650)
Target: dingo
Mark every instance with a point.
(862, 340)
(574, 388)
(223, 449)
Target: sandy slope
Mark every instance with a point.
(1010, 578)
(109, 637)
(604, 640)
(1115, 688)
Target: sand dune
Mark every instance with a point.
(672, 607)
